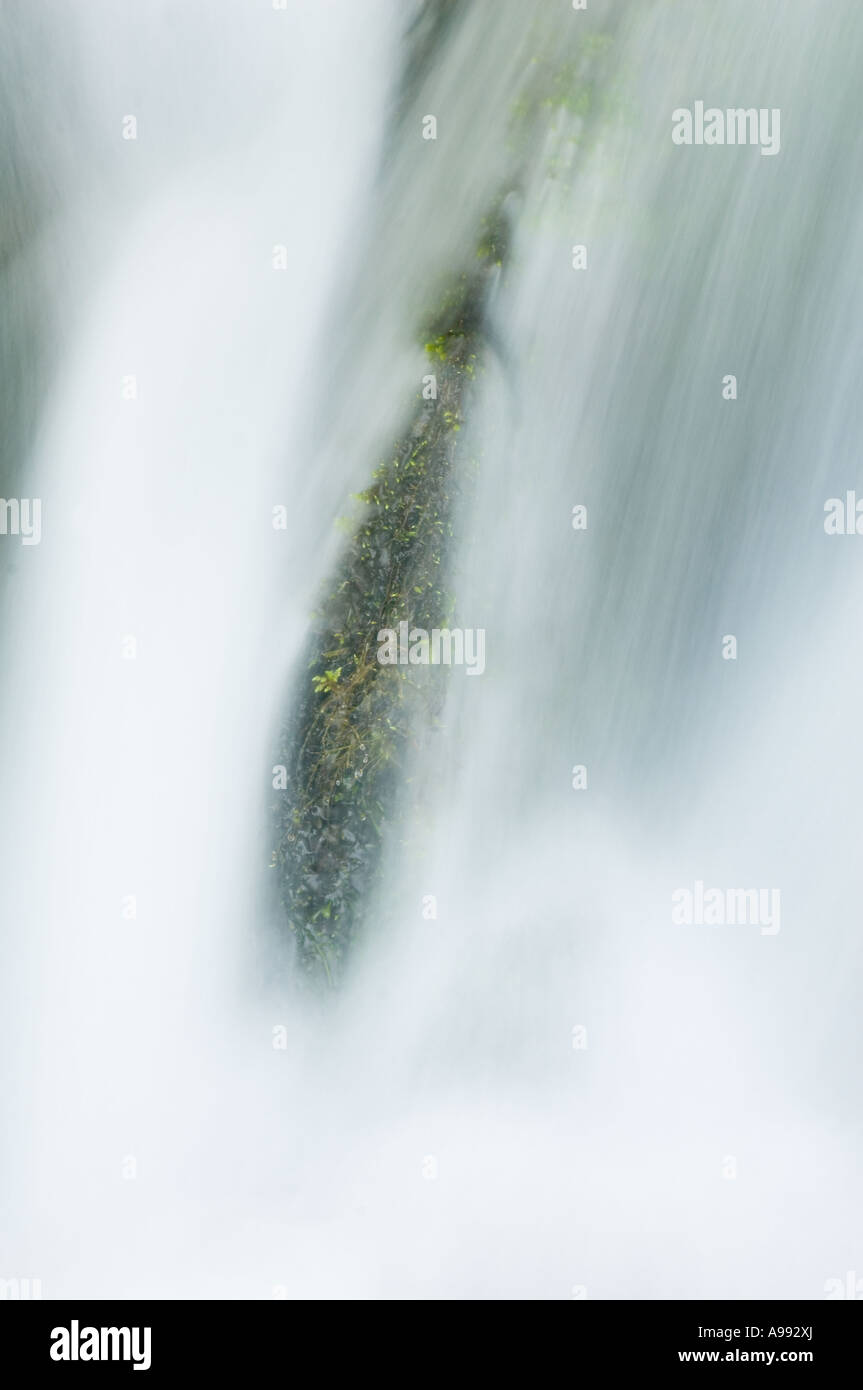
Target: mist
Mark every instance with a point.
(529, 1081)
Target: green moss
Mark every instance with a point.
(570, 88)
(357, 723)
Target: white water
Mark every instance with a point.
(306, 1171)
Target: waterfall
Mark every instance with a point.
(532, 1083)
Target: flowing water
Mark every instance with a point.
(546, 1089)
